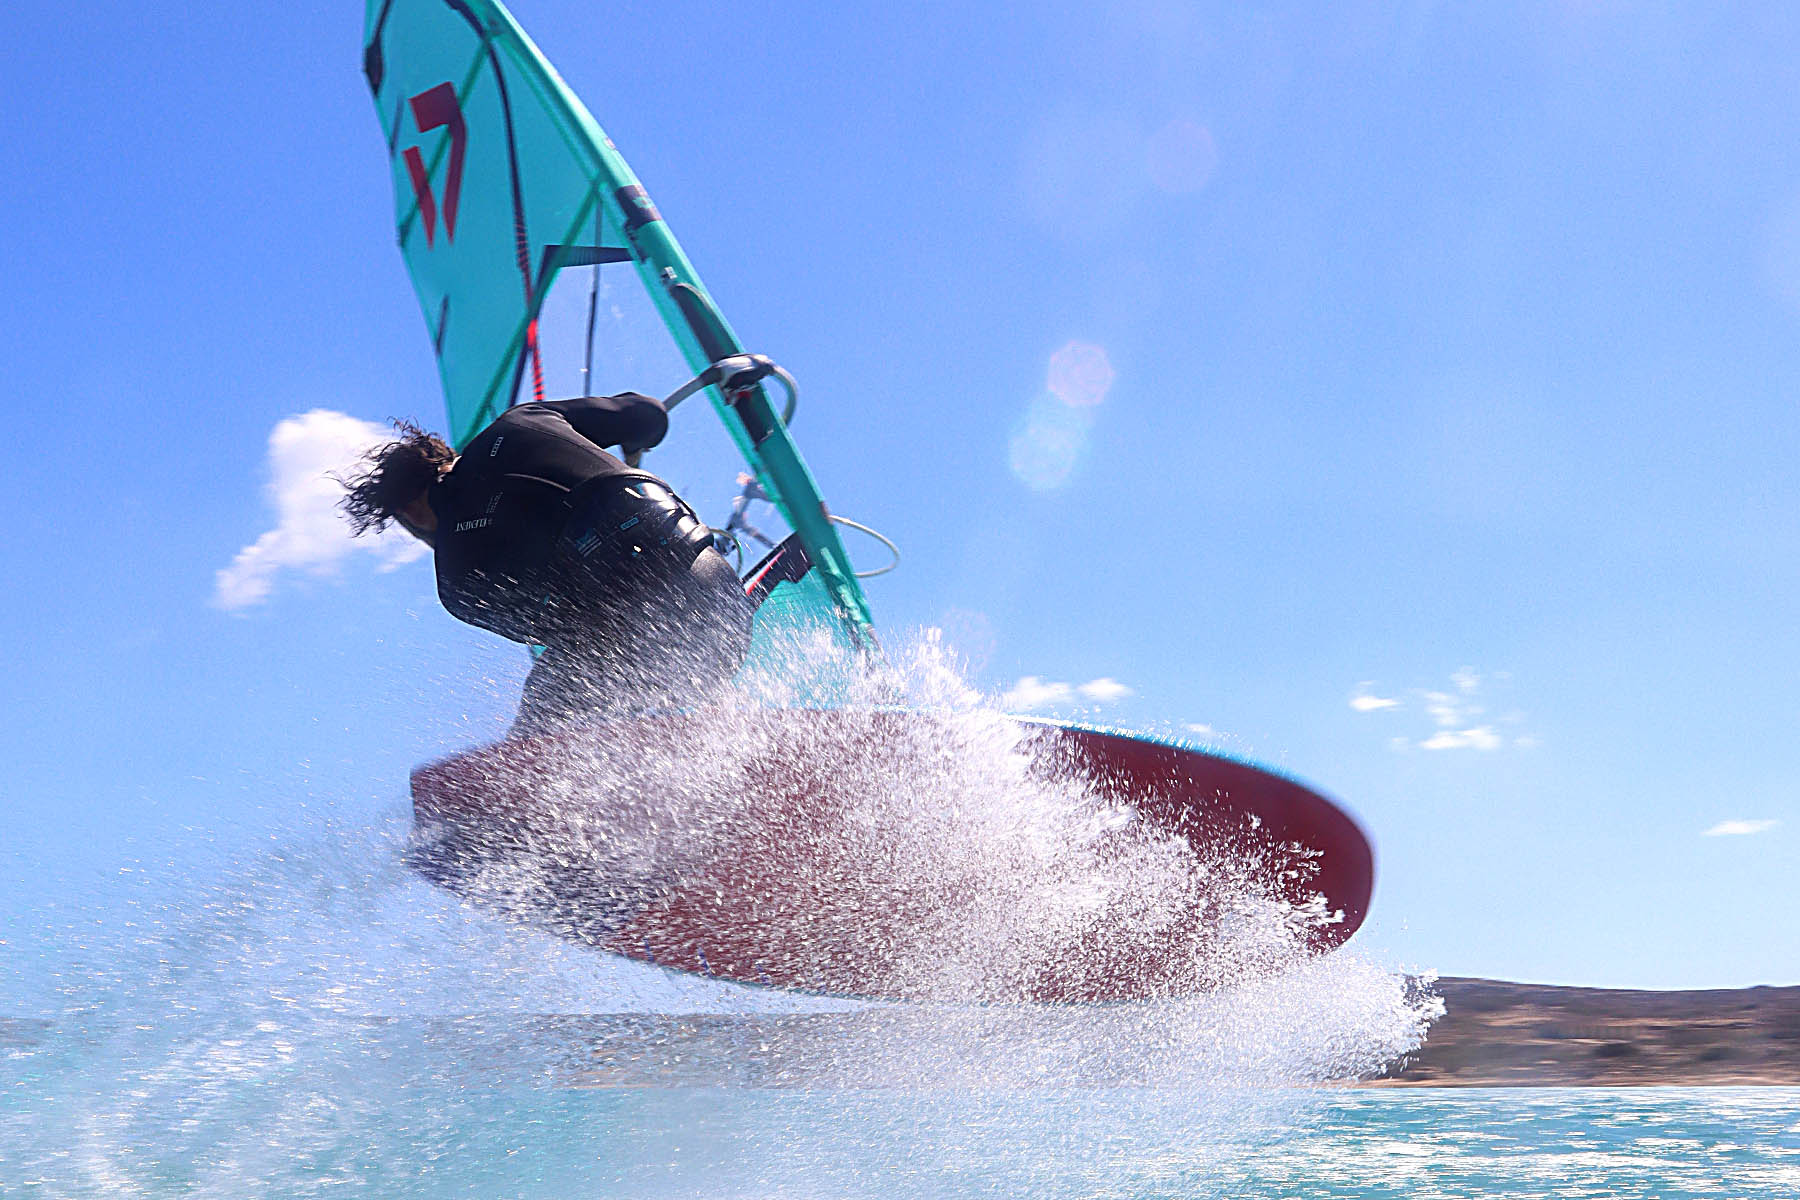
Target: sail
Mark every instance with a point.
(544, 270)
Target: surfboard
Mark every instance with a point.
(846, 853)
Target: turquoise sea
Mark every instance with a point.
(301, 1015)
(489, 1111)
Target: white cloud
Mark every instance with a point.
(1740, 828)
(1479, 737)
(1457, 715)
(1451, 710)
(1448, 710)
(1033, 692)
(1366, 701)
(1105, 690)
(310, 532)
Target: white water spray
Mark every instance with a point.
(317, 1013)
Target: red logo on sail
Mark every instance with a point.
(431, 110)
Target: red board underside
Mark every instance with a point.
(900, 855)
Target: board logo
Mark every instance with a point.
(433, 109)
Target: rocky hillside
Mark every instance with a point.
(1531, 1035)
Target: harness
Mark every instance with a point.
(629, 517)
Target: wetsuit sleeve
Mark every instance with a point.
(630, 420)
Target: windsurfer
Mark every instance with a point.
(542, 536)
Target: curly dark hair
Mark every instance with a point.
(393, 476)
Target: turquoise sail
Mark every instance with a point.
(506, 191)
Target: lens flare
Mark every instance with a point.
(1048, 443)
(1182, 156)
(1081, 374)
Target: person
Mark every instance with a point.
(542, 536)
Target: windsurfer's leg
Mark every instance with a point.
(716, 619)
(605, 673)
(545, 702)
(569, 686)
(683, 642)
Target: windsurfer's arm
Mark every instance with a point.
(631, 420)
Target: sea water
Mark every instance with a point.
(486, 1107)
(304, 1015)
(318, 1020)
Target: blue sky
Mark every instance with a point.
(1438, 446)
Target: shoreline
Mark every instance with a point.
(1499, 1034)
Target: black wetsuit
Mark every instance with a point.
(545, 538)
